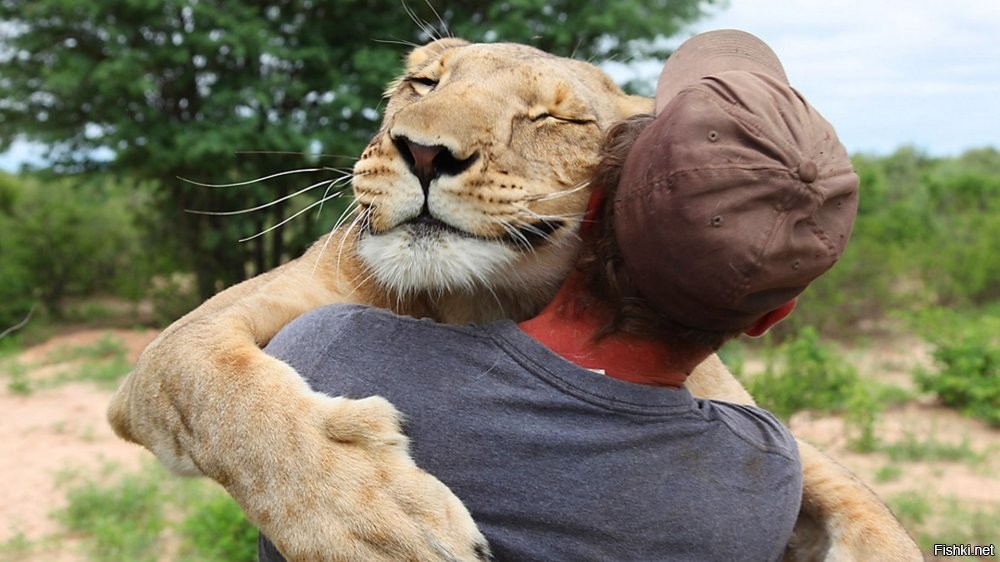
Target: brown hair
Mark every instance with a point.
(601, 262)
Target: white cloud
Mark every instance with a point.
(887, 73)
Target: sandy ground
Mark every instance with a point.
(54, 429)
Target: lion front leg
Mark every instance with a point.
(327, 479)
(842, 519)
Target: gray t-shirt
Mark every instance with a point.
(555, 462)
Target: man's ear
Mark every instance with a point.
(762, 325)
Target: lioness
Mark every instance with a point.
(470, 198)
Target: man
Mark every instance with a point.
(570, 436)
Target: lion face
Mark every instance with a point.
(477, 179)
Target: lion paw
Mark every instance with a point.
(368, 421)
(361, 497)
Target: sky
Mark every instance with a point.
(886, 73)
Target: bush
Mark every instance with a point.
(966, 375)
(216, 529)
(68, 237)
(119, 515)
(121, 520)
(804, 374)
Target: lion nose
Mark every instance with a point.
(430, 162)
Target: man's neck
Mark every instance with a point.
(569, 324)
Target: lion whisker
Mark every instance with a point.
(275, 202)
(339, 182)
(515, 235)
(427, 29)
(354, 209)
(289, 219)
(265, 178)
(550, 196)
(441, 22)
(410, 44)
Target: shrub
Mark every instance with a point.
(122, 520)
(61, 238)
(966, 375)
(119, 515)
(804, 374)
(216, 529)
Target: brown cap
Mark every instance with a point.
(738, 194)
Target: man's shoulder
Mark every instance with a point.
(756, 427)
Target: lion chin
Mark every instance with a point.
(488, 278)
(412, 259)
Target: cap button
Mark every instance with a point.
(808, 171)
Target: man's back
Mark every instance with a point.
(556, 462)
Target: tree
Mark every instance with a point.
(172, 89)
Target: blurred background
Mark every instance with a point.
(114, 116)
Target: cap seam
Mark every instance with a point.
(778, 211)
(665, 179)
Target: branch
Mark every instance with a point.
(20, 324)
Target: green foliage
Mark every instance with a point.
(130, 515)
(215, 529)
(102, 362)
(911, 508)
(928, 448)
(804, 374)
(122, 520)
(173, 89)
(172, 296)
(17, 547)
(17, 377)
(966, 375)
(946, 520)
(963, 524)
(107, 373)
(62, 238)
(888, 473)
(108, 346)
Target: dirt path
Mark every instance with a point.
(52, 430)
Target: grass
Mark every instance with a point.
(120, 520)
(107, 347)
(945, 520)
(912, 508)
(17, 377)
(15, 548)
(149, 515)
(102, 362)
(888, 473)
(914, 449)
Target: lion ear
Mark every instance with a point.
(421, 55)
(634, 105)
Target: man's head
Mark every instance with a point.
(735, 197)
